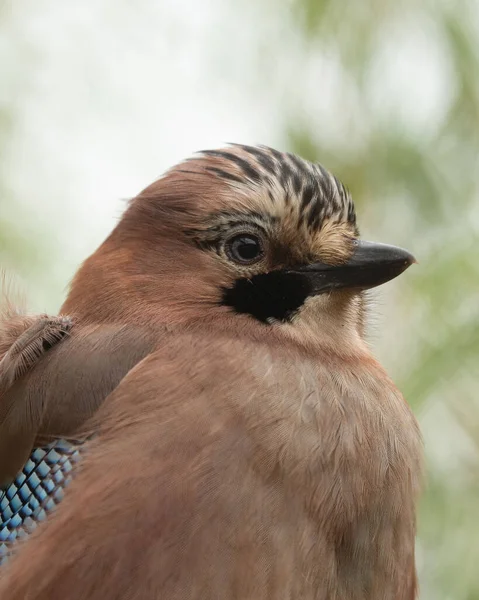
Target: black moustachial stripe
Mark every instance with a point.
(276, 295)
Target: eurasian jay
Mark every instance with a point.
(240, 441)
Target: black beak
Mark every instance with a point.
(370, 265)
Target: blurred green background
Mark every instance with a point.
(97, 99)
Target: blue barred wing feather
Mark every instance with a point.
(35, 492)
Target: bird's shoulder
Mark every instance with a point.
(24, 342)
(193, 371)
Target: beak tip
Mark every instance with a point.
(411, 260)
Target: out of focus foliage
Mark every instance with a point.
(412, 165)
(24, 246)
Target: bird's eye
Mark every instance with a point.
(244, 248)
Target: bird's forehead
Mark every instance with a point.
(256, 180)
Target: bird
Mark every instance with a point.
(253, 447)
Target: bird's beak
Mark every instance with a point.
(370, 265)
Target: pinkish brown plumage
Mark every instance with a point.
(252, 448)
(24, 340)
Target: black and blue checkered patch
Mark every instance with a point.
(35, 492)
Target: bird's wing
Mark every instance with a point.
(48, 395)
(20, 354)
(24, 341)
(45, 399)
(168, 501)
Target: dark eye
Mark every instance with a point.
(244, 248)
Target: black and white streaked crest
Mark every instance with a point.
(287, 182)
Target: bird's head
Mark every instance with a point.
(242, 234)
